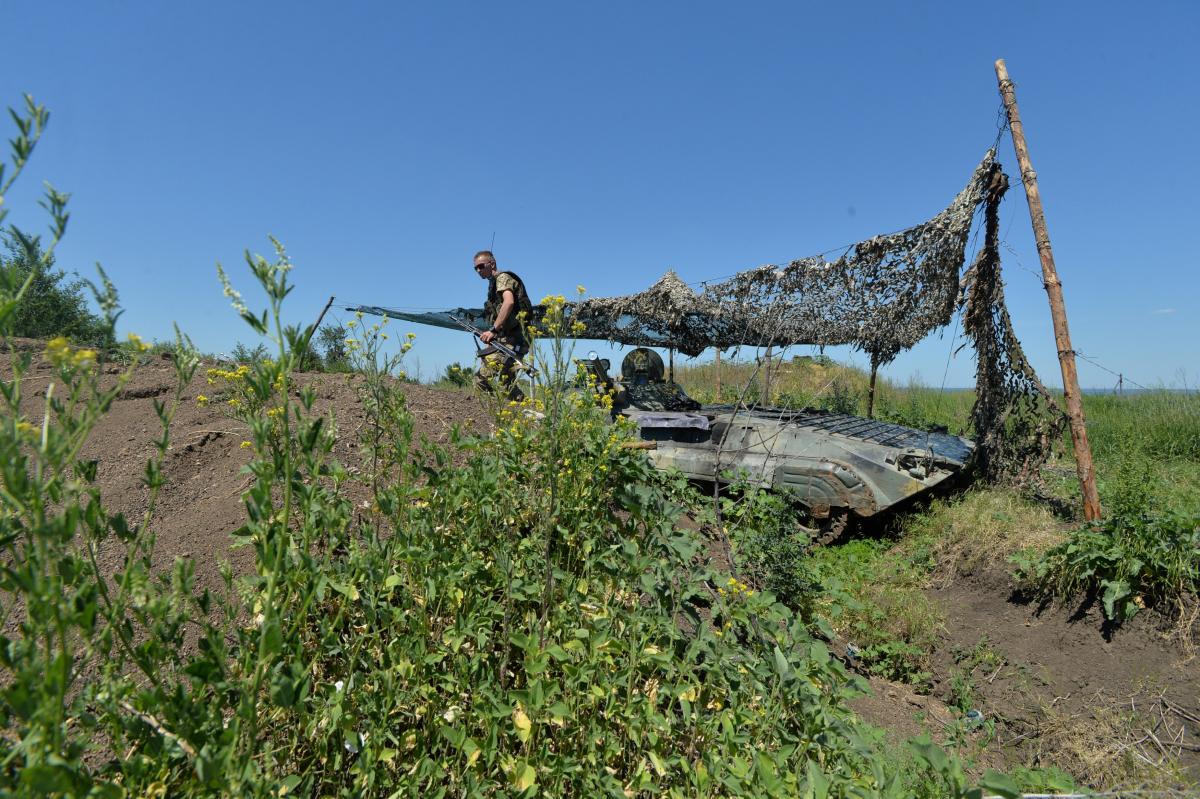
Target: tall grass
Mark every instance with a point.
(1164, 424)
(1158, 424)
(819, 382)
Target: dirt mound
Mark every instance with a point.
(200, 504)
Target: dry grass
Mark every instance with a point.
(983, 528)
(795, 382)
(1128, 744)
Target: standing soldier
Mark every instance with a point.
(506, 300)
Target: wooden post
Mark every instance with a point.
(765, 399)
(317, 324)
(1058, 311)
(671, 368)
(717, 367)
(871, 388)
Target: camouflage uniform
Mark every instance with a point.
(494, 364)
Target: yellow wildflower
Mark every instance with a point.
(201, 400)
(84, 358)
(58, 350)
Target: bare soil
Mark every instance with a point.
(200, 505)
(1057, 685)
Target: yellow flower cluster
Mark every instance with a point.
(232, 375)
(137, 343)
(735, 588)
(61, 354)
(552, 319)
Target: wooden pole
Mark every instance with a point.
(717, 363)
(1058, 311)
(871, 388)
(671, 360)
(765, 399)
(317, 324)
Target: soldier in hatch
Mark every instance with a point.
(506, 300)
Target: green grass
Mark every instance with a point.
(875, 600)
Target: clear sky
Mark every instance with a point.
(603, 143)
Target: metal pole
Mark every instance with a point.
(1058, 311)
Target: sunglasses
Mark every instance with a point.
(481, 267)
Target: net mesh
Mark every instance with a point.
(1016, 420)
(882, 296)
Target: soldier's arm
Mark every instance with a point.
(507, 302)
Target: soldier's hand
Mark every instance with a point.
(487, 337)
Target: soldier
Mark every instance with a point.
(506, 300)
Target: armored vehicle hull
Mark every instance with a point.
(838, 467)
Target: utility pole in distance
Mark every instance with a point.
(1058, 311)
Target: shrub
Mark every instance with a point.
(332, 342)
(245, 354)
(53, 305)
(458, 375)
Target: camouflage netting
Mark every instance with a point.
(668, 314)
(1015, 418)
(882, 296)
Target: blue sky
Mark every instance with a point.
(603, 143)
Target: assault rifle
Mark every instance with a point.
(503, 349)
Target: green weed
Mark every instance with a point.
(1129, 562)
(875, 599)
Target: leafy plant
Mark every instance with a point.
(243, 353)
(1129, 562)
(458, 375)
(331, 339)
(840, 398)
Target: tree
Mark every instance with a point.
(53, 305)
(332, 340)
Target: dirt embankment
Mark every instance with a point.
(1058, 687)
(200, 504)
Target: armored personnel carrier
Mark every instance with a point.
(838, 468)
